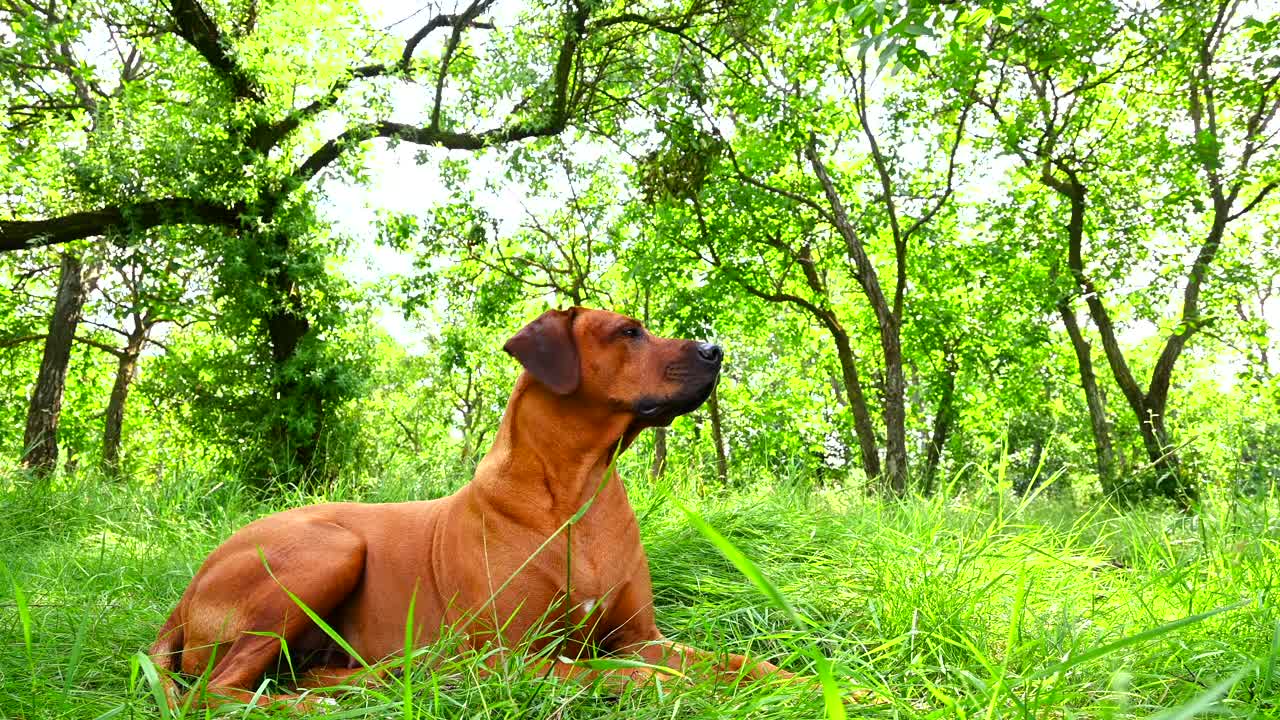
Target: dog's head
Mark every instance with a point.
(600, 357)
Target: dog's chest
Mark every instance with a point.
(601, 561)
(596, 564)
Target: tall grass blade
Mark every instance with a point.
(257, 695)
(830, 690)
(1270, 673)
(24, 620)
(831, 699)
(1206, 701)
(73, 659)
(406, 677)
(284, 648)
(743, 564)
(152, 677)
(621, 663)
(1144, 636)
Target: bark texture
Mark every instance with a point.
(717, 437)
(659, 465)
(1096, 401)
(1148, 407)
(113, 427)
(943, 420)
(40, 441)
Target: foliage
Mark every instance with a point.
(734, 197)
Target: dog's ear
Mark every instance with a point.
(545, 348)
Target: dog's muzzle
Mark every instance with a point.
(698, 374)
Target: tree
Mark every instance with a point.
(40, 441)
(40, 60)
(145, 290)
(1062, 94)
(770, 211)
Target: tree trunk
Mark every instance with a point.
(659, 465)
(41, 438)
(894, 411)
(1104, 456)
(297, 405)
(1170, 480)
(465, 454)
(862, 426)
(113, 428)
(717, 437)
(942, 422)
(895, 414)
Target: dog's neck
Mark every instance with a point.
(553, 445)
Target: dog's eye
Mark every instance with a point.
(631, 332)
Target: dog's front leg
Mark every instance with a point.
(615, 679)
(720, 666)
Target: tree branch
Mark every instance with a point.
(1075, 193)
(17, 340)
(451, 46)
(552, 123)
(881, 164)
(100, 345)
(864, 271)
(465, 19)
(23, 339)
(947, 190)
(1262, 193)
(761, 185)
(197, 27)
(23, 234)
(266, 137)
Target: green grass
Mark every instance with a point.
(958, 607)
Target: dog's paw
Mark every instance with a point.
(864, 697)
(315, 704)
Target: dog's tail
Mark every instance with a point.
(166, 653)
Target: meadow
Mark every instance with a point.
(962, 605)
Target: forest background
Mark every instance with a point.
(995, 280)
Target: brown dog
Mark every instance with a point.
(495, 560)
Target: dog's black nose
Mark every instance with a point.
(710, 352)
